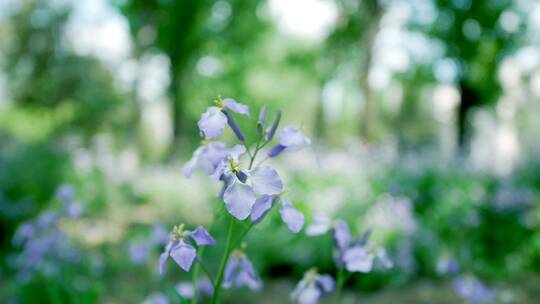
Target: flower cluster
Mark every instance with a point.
(44, 246)
(472, 290)
(248, 190)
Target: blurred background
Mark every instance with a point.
(424, 115)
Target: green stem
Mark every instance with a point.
(221, 271)
(208, 273)
(339, 284)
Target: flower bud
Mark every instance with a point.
(273, 128)
(234, 126)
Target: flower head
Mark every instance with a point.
(312, 286)
(203, 287)
(240, 272)
(358, 255)
(244, 185)
(291, 139)
(213, 121)
(472, 290)
(183, 253)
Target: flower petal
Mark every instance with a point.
(162, 260)
(201, 236)
(326, 282)
(231, 270)
(239, 199)
(184, 255)
(265, 180)
(292, 217)
(358, 259)
(310, 295)
(321, 224)
(212, 122)
(261, 207)
(249, 277)
(235, 106)
(292, 137)
(342, 235)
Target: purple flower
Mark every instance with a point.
(207, 157)
(213, 121)
(66, 194)
(312, 286)
(240, 272)
(357, 255)
(204, 287)
(290, 139)
(293, 218)
(183, 253)
(244, 185)
(139, 252)
(472, 290)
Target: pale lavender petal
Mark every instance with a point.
(248, 276)
(198, 161)
(201, 236)
(212, 122)
(184, 255)
(239, 199)
(292, 217)
(261, 207)
(234, 106)
(292, 137)
(185, 290)
(358, 259)
(162, 260)
(215, 152)
(326, 282)
(265, 180)
(321, 224)
(342, 235)
(236, 151)
(231, 270)
(310, 295)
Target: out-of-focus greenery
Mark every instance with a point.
(427, 159)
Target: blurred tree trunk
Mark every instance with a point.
(469, 99)
(373, 13)
(177, 110)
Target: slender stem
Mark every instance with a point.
(239, 241)
(208, 273)
(339, 284)
(194, 280)
(258, 147)
(219, 277)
